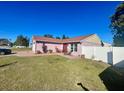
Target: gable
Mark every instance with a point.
(93, 38)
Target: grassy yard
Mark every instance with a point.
(51, 73)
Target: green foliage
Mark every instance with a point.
(48, 35)
(22, 41)
(102, 44)
(117, 25)
(58, 37)
(51, 36)
(65, 37)
(118, 40)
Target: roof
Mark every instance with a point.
(4, 41)
(76, 39)
(46, 39)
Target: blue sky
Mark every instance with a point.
(56, 18)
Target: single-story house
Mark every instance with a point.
(71, 45)
(107, 44)
(5, 42)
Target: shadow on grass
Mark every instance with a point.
(10, 53)
(112, 79)
(4, 65)
(14, 53)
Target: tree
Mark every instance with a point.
(117, 25)
(51, 36)
(22, 41)
(102, 44)
(65, 37)
(58, 37)
(48, 35)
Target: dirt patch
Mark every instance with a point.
(29, 53)
(69, 56)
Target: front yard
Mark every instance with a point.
(21, 49)
(51, 73)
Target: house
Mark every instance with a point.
(71, 45)
(107, 44)
(20, 46)
(5, 42)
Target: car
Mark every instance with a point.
(4, 51)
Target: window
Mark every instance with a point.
(71, 47)
(75, 47)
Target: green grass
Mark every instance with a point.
(50, 73)
(21, 49)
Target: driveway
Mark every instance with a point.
(29, 53)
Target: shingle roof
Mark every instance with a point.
(4, 41)
(76, 39)
(46, 39)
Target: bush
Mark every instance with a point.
(50, 51)
(38, 52)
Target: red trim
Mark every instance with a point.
(65, 48)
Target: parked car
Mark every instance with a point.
(4, 51)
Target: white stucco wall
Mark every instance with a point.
(54, 46)
(98, 53)
(34, 47)
(88, 52)
(111, 55)
(79, 49)
(118, 56)
(103, 53)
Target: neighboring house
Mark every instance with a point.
(71, 45)
(5, 42)
(20, 46)
(107, 44)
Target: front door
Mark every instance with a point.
(65, 48)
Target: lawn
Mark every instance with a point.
(51, 73)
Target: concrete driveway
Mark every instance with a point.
(29, 53)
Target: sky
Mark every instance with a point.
(56, 18)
